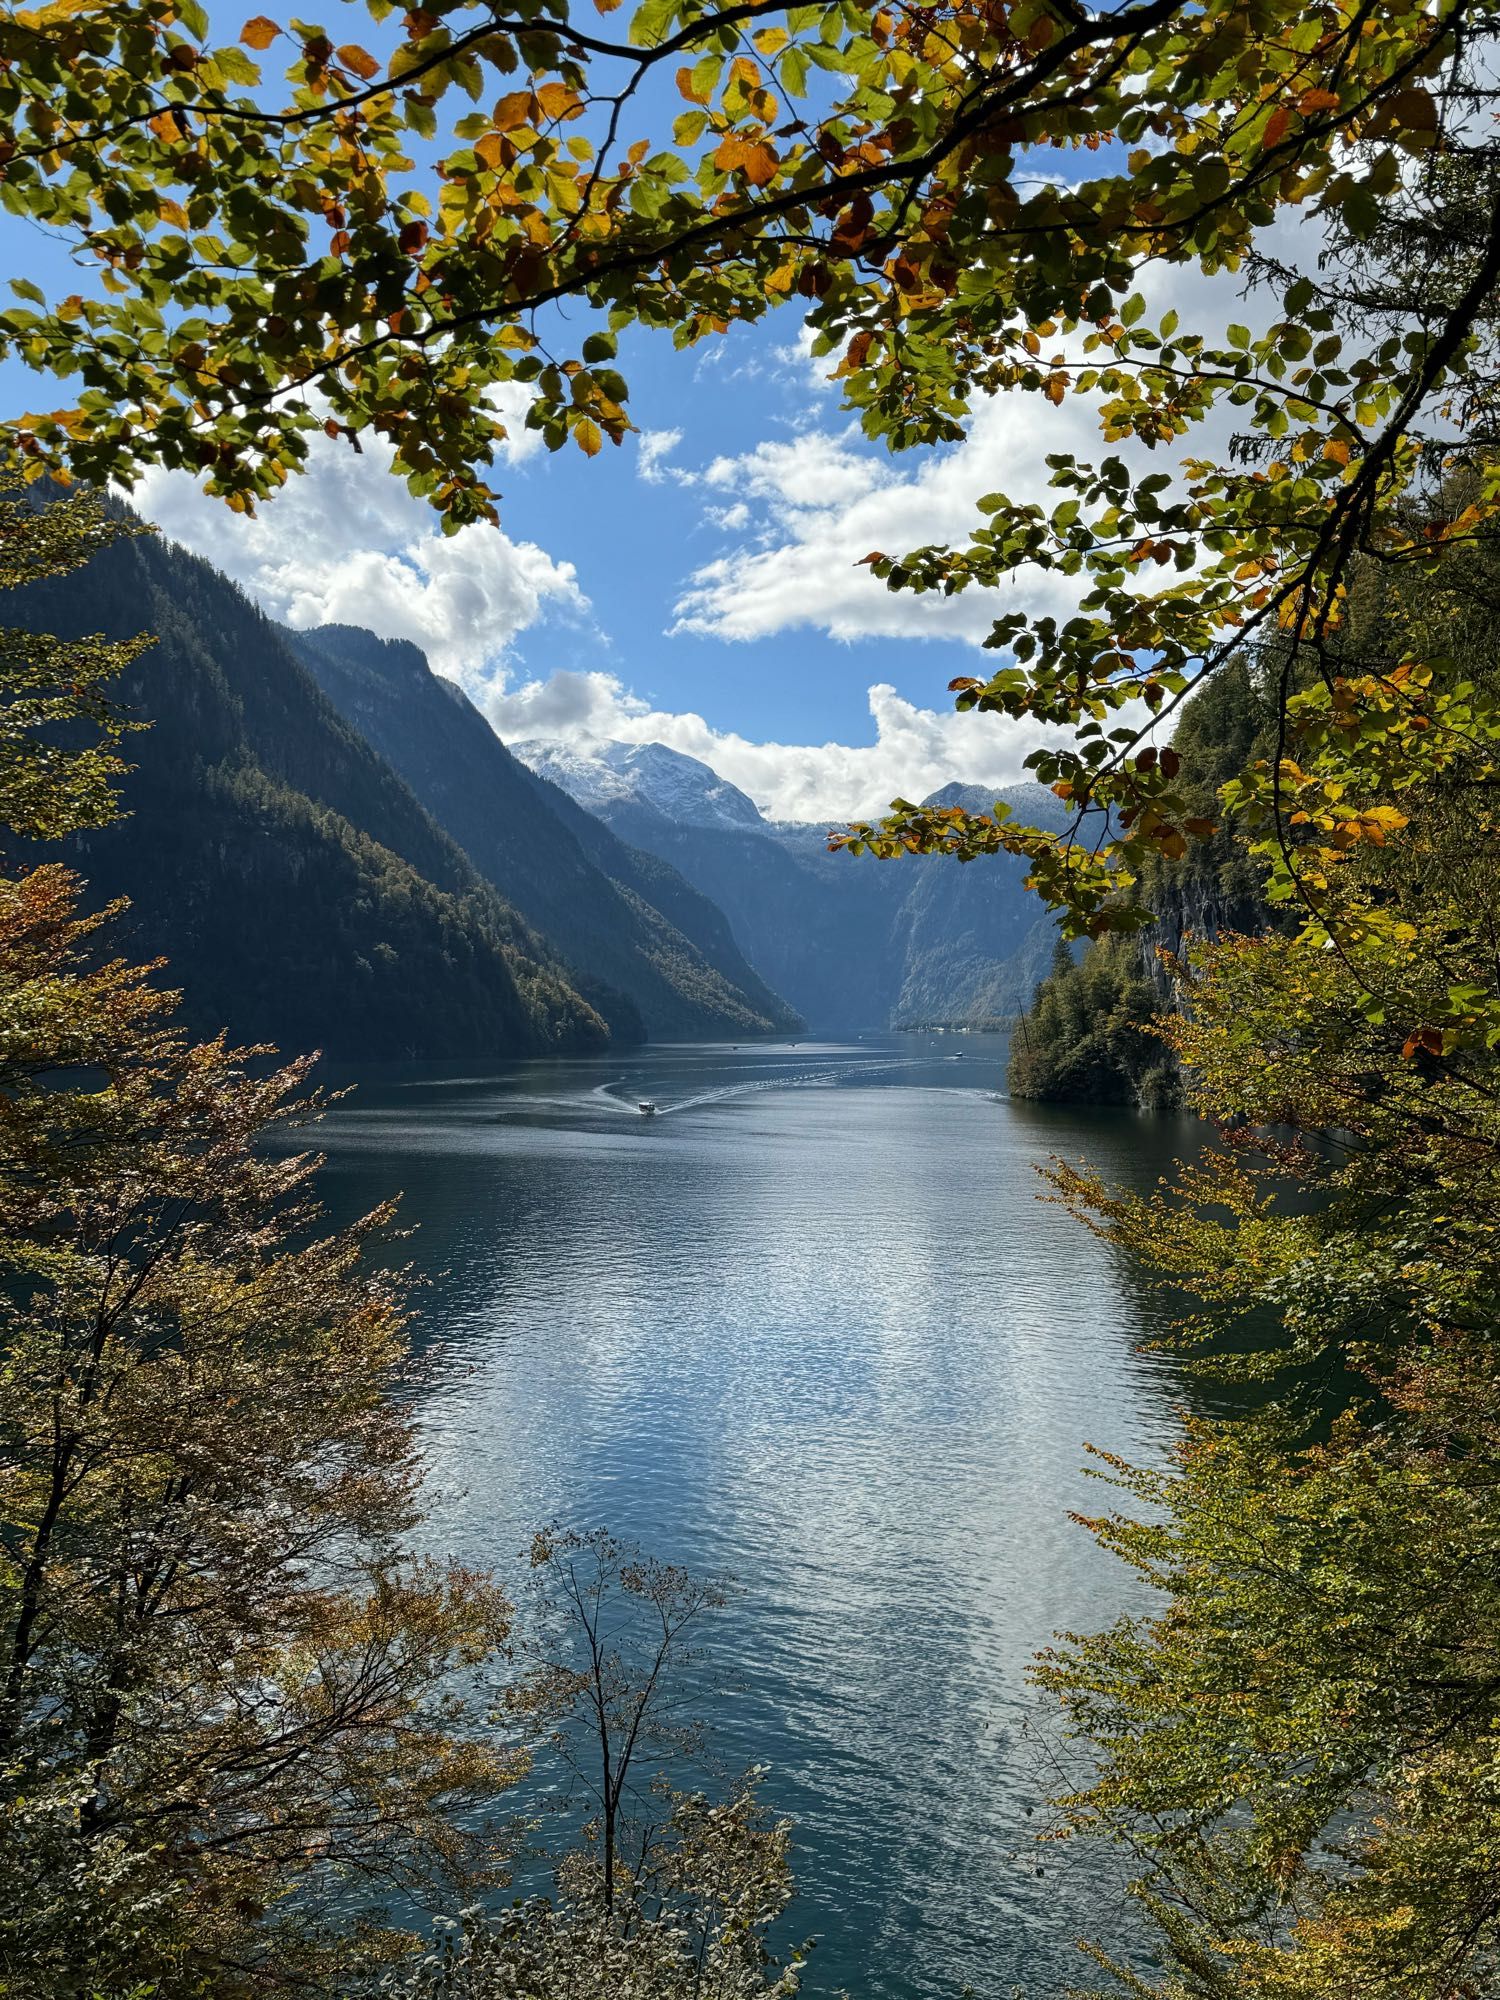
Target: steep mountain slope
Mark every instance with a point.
(297, 887)
(623, 919)
(852, 943)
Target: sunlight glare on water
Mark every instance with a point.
(809, 1324)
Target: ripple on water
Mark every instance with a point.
(809, 1326)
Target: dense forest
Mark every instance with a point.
(1087, 1037)
(257, 1736)
(299, 890)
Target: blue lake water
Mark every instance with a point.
(809, 1325)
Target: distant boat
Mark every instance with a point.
(646, 1108)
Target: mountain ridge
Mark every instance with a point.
(628, 927)
(854, 944)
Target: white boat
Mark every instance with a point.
(646, 1108)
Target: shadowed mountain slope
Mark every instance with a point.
(618, 915)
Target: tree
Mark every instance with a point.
(1299, 1749)
(222, 1676)
(615, 1633)
(268, 264)
(1087, 1037)
(693, 1925)
(669, 1894)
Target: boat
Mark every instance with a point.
(646, 1108)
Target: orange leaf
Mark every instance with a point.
(1317, 100)
(751, 157)
(557, 101)
(490, 151)
(1276, 126)
(1336, 451)
(1413, 108)
(363, 64)
(259, 33)
(412, 238)
(513, 110)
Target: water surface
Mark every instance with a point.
(810, 1325)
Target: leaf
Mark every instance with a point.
(1312, 101)
(589, 436)
(259, 33)
(1275, 127)
(557, 101)
(1414, 109)
(512, 111)
(359, 60)
(751, 157)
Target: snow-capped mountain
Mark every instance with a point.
(608, 775)
(851, 943)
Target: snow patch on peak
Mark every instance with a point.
(679, 787)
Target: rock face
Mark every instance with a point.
(852, 943)
(648, 950)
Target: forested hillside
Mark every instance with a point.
(622, 919)
(297, 887)
(1087, 1038)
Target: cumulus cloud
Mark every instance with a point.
(915, 751)
(807, 508)
(812, 506)
(346, 543)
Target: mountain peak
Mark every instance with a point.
(680, 788)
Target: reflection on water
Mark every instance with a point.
(810, 1325)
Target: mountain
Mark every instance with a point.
(644, 945)
(650, 774)
(852, 943)
(297, 887)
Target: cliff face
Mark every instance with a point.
(1086, 1036)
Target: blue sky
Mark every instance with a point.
(698, 585)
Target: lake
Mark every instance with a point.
(810, 1325)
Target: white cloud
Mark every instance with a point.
(346, 543)
(811, 506)
(816, 504)
(654, 447)
(915, 750)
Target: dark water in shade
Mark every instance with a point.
(812, 1326)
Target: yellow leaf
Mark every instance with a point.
(1336, 451)
(557, 101)
(589, 437)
